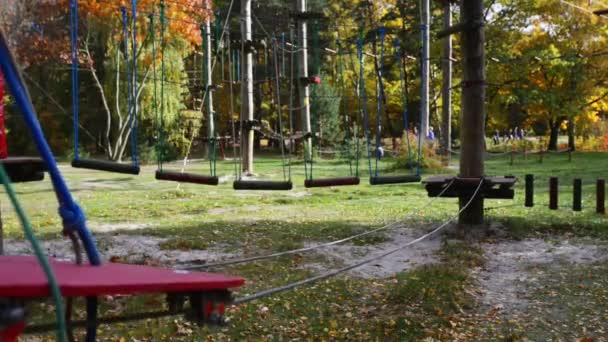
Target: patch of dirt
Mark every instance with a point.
(127, 248)
(220, 211)
(422, 253)
(508, 273)
(112, 227)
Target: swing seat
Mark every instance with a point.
(103, 165)
(183, 177)
(22, 279)
(262, 185)
(327, 182)
(501, 187)
(24, 169)
(397, 179)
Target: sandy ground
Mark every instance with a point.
(508, 273)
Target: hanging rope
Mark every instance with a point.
(134, 112)
(344, 105)
(362, 99)
(403, 87)
(60, 322)
(275, 57)
(75, 81)
(380, 96)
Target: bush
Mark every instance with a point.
(429, 160)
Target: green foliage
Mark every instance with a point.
(326, 118)
(408, 157)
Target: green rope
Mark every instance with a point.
(42, 259)
(161, 131)
(156, 118)
(348, 133)
(213, 137)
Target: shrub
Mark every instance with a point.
(429, 159)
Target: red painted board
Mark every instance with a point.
(22, 277)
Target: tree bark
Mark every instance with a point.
(473, 108)
(571, 135)
(553, 134)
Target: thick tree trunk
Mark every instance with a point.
(473, 107)
(553, 134)
(571, 136)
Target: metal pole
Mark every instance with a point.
(425, 63)
(446, 113)
(473, 106)
(247, 105)
(304, 89)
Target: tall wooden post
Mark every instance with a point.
(425, 64)
(446, 65)
(304, 89)
(247, 105)
(473, 104)
(209, 81)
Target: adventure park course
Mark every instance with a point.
(308, 170)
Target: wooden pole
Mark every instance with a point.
(304, 89)
(446, 110)
(577, 195)
(529, 191)
(553, 193)
(247, 105)
(473, 107)
(600, 193)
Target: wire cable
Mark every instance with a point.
(294, 285)
(328, 244)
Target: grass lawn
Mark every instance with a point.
(436, 300)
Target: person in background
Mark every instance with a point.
(521, 134)
(379, 152)
(496, 137)
(431, 135)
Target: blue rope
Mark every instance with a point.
(72, 216)
(133, 116)
(125, 27)
(406, 123)
(363, 97)
(380, 97)
(74, 55)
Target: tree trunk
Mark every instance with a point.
(553, 134)
(571, 136)
(473, 108)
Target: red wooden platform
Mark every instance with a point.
(22, 277)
